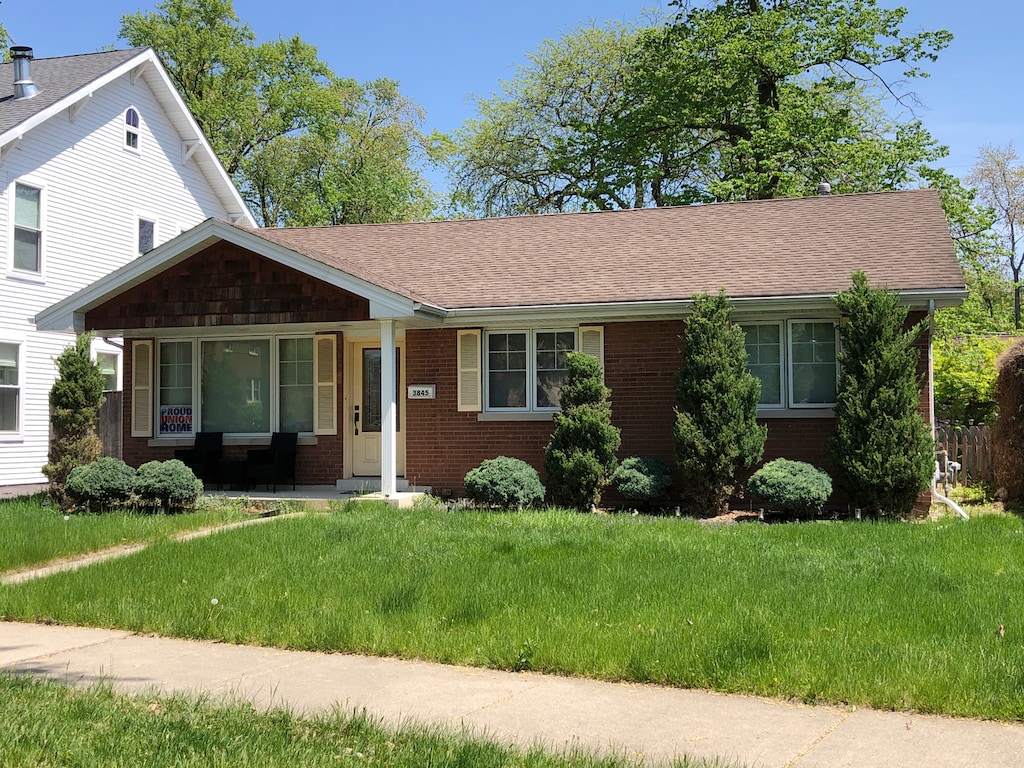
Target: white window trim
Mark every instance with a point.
(18, 435)
(788, 407)
(531, 368)
(273, 383)
(27, 274)
(139, 218)
(126, 129)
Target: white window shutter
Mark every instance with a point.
(592, 342)
(142, 389)
(325, 401)
(470, 390)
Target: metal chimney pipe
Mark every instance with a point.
(824, 188)
(24, 88)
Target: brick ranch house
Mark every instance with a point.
(252, 331)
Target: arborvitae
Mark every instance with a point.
(716, 430)
(75, 400)
(580, 458)
(882, 446)
(1008, 433)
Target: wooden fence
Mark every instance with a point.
(971, 447)
(108, 424)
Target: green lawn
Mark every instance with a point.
(887, 614)
(48, 724)
(32, 533)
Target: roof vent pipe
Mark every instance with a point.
(24, 88)
(824, 188)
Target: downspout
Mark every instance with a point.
(931, 414)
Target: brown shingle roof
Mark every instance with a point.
(759, 249)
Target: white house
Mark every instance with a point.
(100, 161)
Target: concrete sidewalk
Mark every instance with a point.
(521, 708)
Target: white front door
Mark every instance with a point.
(366, 420)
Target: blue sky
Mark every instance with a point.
(442, 51)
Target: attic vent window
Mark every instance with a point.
(131, 129)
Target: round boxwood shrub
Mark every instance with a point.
(642, 479)
(168, 484)
(791, 486)
(104, 484)
(504, 482)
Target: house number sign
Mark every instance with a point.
(422, 391)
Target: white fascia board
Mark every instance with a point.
(70, 312)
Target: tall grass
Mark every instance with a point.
(893, 615)
(32, 532)
(49, 724)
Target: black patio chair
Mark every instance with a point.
(203, 458)
(275, 464)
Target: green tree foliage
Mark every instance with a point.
(716, 430)
(580, 456)
(75, 400)
(1008, 434)
(965, 378)
(882, 446)
(104, 485)
(304, 146)
(732, 100)
(769, 97)
(538, 147)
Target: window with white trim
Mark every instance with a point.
(238, 386)
(108, 363)
(28, 228)
(525, 370)
(131, 129)
(796, 362)
(147, 235)
(10, 388)
(175, 400)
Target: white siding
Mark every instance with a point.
(95, 190)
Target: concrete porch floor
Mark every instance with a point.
(316, 496)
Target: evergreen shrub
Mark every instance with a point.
(580, 457)
(75, 400)
(504, 482)
(882, 447)
(105, 484)
(716, 430)
(170, 485)
(642, 479)
(791, 486)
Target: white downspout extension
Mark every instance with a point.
(388, 427)
(931, 414)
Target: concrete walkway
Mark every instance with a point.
(654, 723)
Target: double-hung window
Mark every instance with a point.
(131, 129)
(525, 370)
(10, 388)
(28, 228)
(796, 362)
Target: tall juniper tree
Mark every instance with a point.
(580, 457)
(75, 400)
(716, 430)
(882, 446)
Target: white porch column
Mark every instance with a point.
(388, 427)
